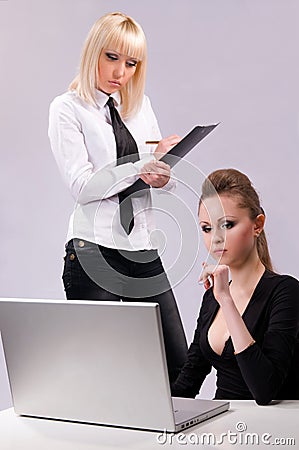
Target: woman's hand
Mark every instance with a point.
(219, 275)
(155, 173)
(165, 145)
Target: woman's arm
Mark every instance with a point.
(194, 370)
(68, 145)
(238, 331)
(264, 365)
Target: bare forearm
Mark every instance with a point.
(240, 335)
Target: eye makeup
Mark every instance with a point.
(228, 224)
(114, 56)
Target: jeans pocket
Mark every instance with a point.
(71, 270)
(67, 274)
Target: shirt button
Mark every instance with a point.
(72, 256)
(81, 244)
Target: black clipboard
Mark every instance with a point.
(197, 134)
(181, 149)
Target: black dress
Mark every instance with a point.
(264, 371)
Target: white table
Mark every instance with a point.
(263, 424)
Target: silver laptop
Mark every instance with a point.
(94, 362)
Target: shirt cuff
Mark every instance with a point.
(170, 185)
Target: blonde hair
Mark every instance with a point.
(235, 184)
(121, 33)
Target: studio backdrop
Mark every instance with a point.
(209, 61)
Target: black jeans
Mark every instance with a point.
(93, 272)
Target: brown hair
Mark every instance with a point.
(233, 183)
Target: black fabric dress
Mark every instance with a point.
(265, 371)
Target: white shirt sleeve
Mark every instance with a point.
(68, 144)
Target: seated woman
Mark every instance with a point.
(249, 318)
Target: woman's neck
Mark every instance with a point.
(247, 275)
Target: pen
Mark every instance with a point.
(152, 142)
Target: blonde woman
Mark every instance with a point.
(105, 258)
(249, 319)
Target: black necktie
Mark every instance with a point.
(127, 151)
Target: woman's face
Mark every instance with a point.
(228, 231)
(115, 70)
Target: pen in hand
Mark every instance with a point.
(152, 142)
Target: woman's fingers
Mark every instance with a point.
(207, 271)
(165, 145)
(156, 167)
(206, 276)
(155, 173)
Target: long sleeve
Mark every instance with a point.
(194, 370)
(84, 147)
(265, 365)
(70, 141)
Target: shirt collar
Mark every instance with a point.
(102, 98)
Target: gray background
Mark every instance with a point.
(234, 62)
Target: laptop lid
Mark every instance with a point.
(93, 362)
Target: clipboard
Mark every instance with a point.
(181, 149)
(175, 154)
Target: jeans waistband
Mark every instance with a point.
(77, 244)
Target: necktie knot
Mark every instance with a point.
(110, 102)
(117, 125)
